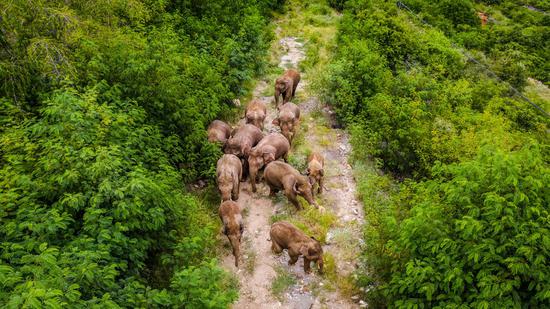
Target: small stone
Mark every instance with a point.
(355, 211)
(236, 102)
(355, 297)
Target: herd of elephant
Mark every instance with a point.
(247, 150)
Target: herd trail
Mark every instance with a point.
(259, 266)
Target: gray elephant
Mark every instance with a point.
(233, 227)
(228, 176)
(218, 131)
(316, 171)
(255, 114)
(284, 235)
(272, 147)
(241, 142)
(282, 176)
(288, 119)
(286, 86)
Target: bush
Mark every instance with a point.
(104, 107)
(457, 229)
(477, 235)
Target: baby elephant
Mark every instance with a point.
(289, 116)
(282, 176)
(315, 171)
(255, 113)
(286, 236)
(270, 148)
(229, 173)
(230, 214)
(218, 131)
(286, 86)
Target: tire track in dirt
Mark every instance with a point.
(259, 265)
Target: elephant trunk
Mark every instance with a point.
(309, 198)
(320, 264)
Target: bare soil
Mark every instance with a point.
(259, 265)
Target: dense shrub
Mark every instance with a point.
(103, 109)
(478, 235)
(467, 225)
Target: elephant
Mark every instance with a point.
(315, 171)
(288, 119)
(272, 147)
(282, 176)
(241, 142)
(286, 86)
(255, 114)
(228, 174)
(233, 227)
(218, 131)
(284, 235)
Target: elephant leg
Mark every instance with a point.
(294, 89)
(253, 177)
(307, 263)
(320, 190)
(245, 170)
(289, 95)
(285, 157)
(235, 192)
(272, 190)
(292, 198)
(275, 247)
(293, 259)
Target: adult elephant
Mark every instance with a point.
(286, 86)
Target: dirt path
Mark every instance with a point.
(262, 271)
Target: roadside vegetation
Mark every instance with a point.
(104, 106)
(456, 202)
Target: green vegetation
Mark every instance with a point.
(468, 226)
(282, 282)
(104, 106)
(515, 38)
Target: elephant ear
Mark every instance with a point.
(294, 187)
(304, 250)
(246, 150)
(268, 157)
